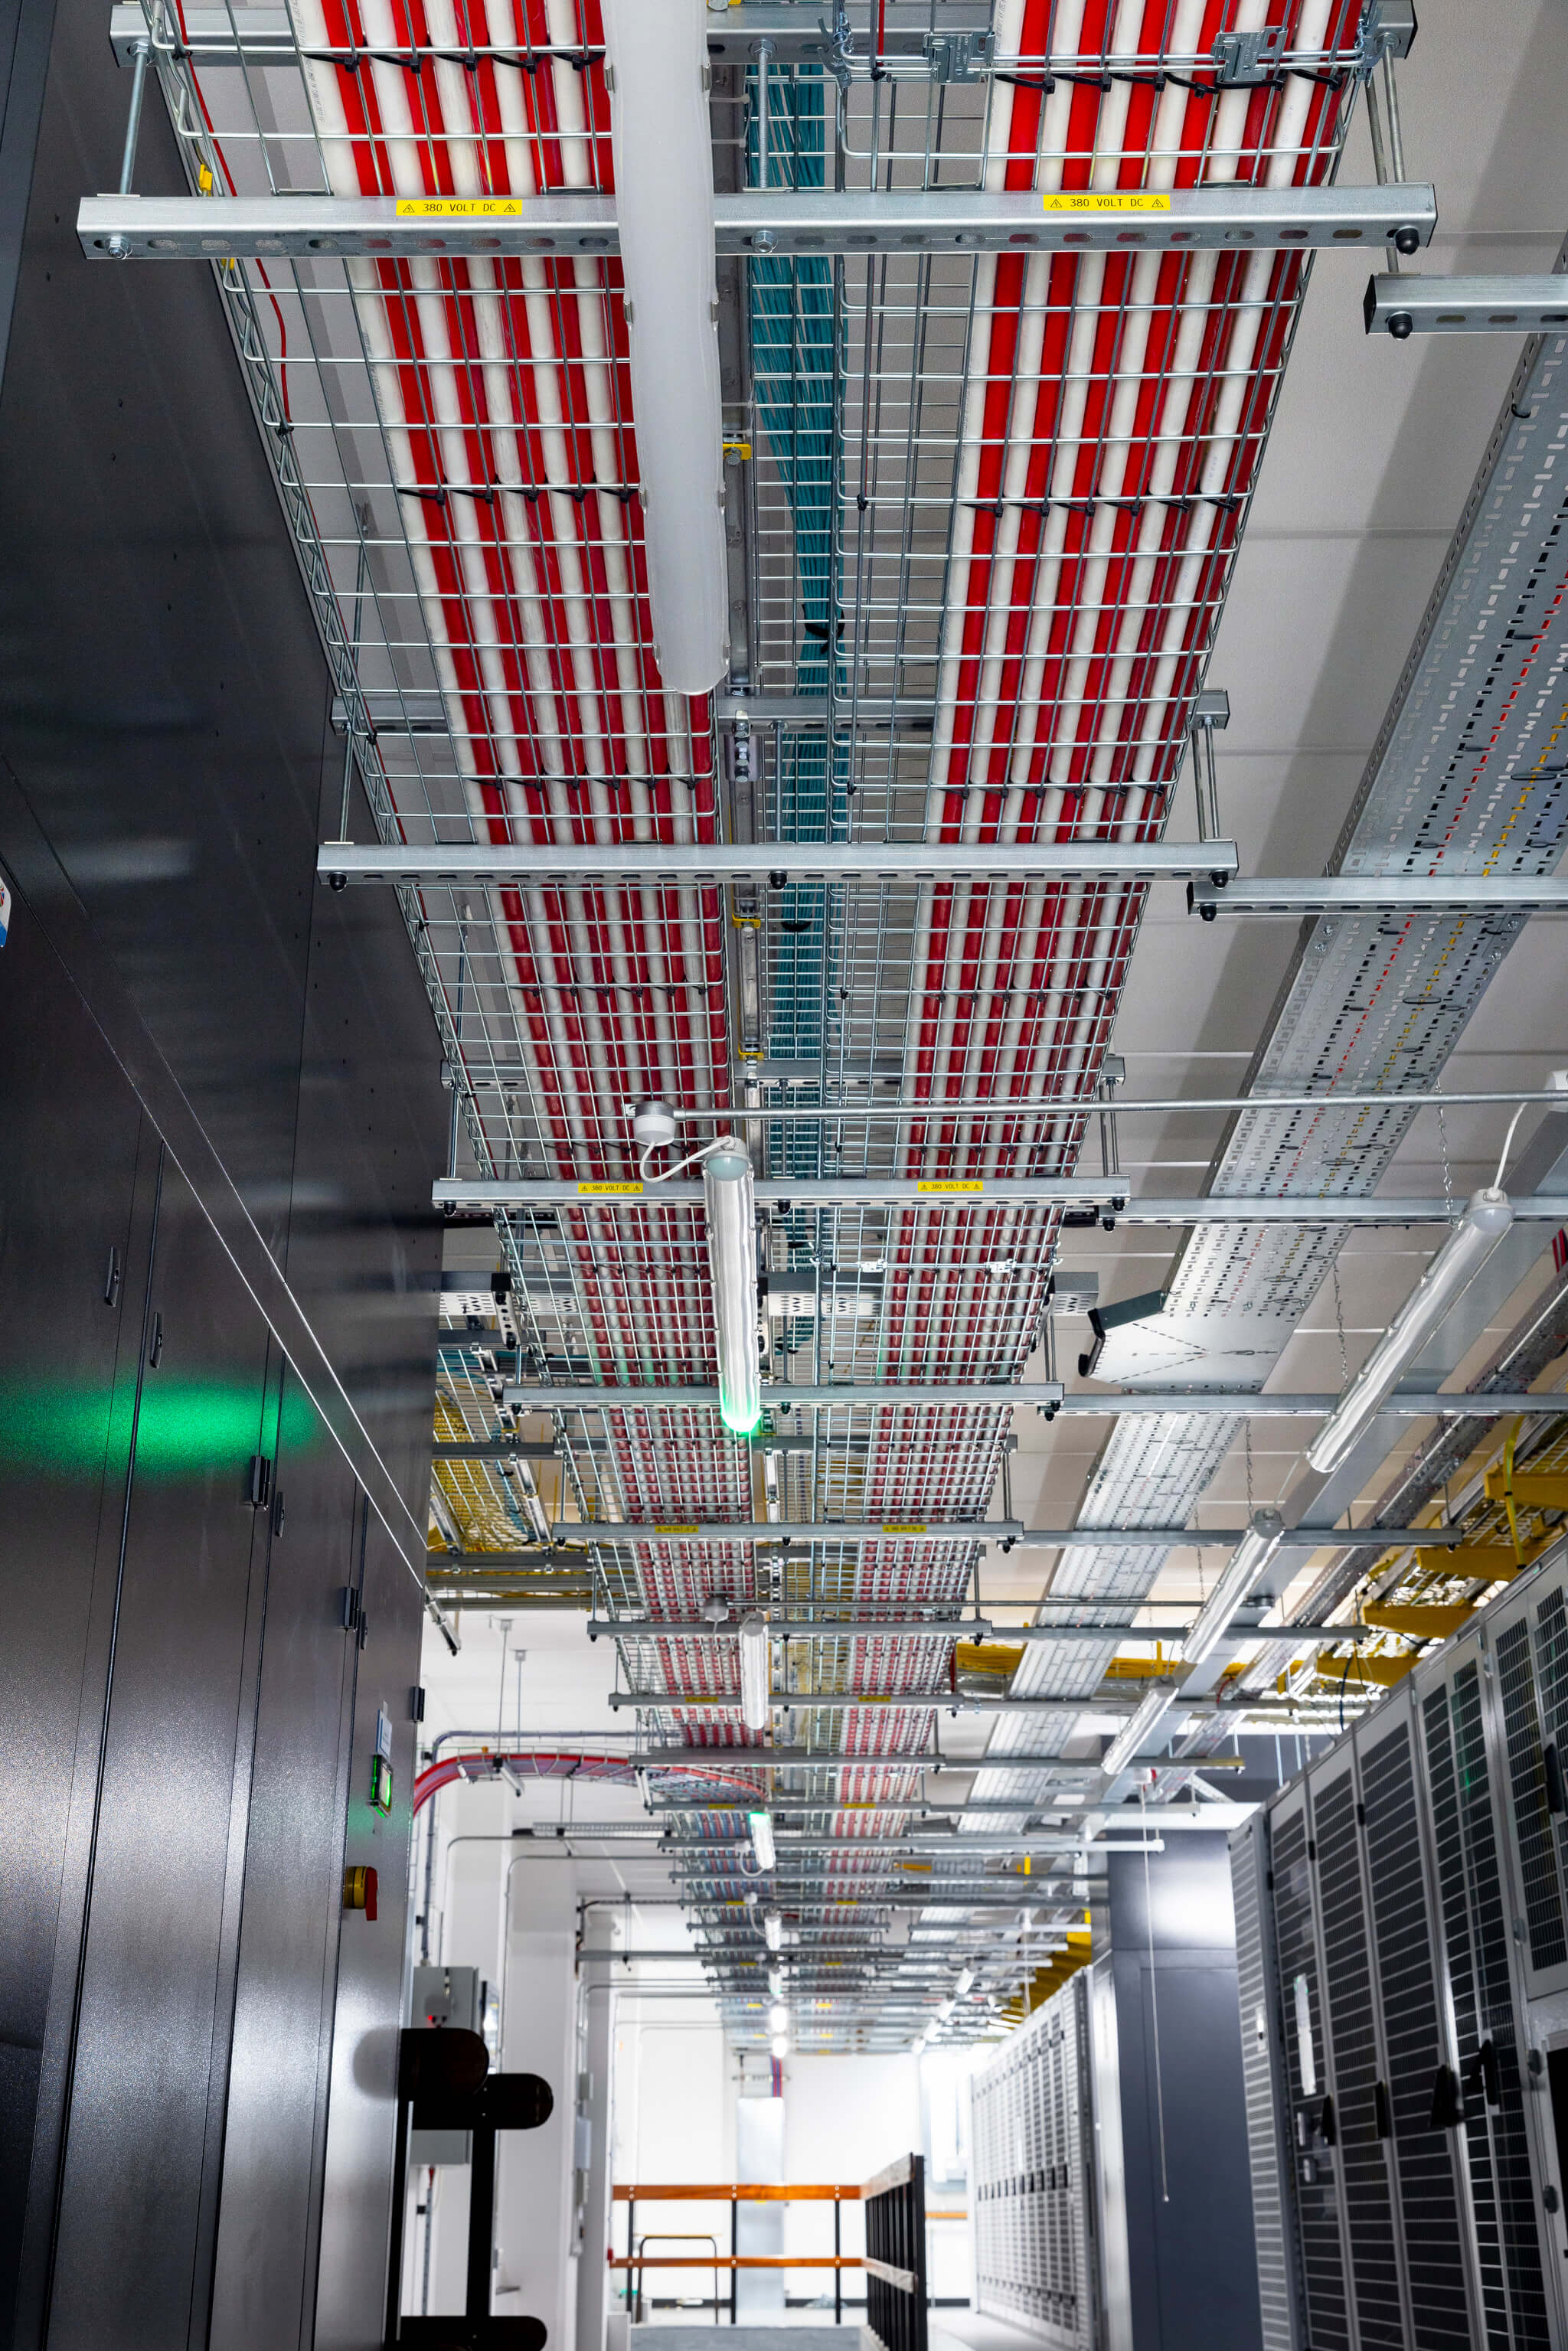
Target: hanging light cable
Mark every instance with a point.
(662, 143)
(1487, 1217)
(730, 1197)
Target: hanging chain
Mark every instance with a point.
(1447, 1165)
(1339, 1326)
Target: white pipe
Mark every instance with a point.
(663, 179)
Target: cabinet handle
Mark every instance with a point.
(112, 1279)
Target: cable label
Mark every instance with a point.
(911, 1530)
(689, 1529)
(1087, 200)
(459, 207)
(592, 1191)
(970, 1184)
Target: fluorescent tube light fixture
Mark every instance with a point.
(761, 1827)
(663, 144)
(731, 1201)
(773, 1930)
(1265, 1533)
(966, 1982)
(753, 1647)
(774, 1981)
(779, 2044)
(778, 2018)
(1488, 1217)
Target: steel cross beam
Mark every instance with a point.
(837, 1760)
(712, 864)
(622, 1533)
(1296, 896)
(1403, 307)
(622, 1628)
(777, 221)
(1046, 1394)
(257, 35)
(1017, 1192)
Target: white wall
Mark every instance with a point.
(675, 2122)
(536, 2275)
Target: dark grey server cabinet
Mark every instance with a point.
(1404, 2005)
(220, 1113)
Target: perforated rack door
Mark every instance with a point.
(1527, 1638)
(1356, 2071)
(1498, 2141)
(1264, 2026)
(1310, 2120)
(1418, 2053)
(1030, 2152)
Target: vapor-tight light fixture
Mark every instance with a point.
(663, 144)
(732, 1257)
(773, 1930)
(1488, 1217)
(1265, 1533)
(762, 1845)
(753, 1646)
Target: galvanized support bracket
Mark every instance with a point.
(1503, 897)
(776, 220)
(1400, 307)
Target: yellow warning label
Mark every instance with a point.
(592, 1191)
(970, 1184)
(1090, 200)
(459, 207)
(689, 1529)
(911, 1530)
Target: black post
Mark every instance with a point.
(838, 2255)
(734, 2249)
(481, 2221)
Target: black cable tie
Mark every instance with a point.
(417, 490)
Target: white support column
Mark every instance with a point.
(596, 2126)
(534, 2273)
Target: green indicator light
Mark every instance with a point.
(381, 1783)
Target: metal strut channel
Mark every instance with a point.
(910, 1192)
(777, 220)
(1403, 307)
(599, 1533)
(1509, 894)
(1215, 1403)
(536, 864)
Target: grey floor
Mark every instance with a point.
(809, 2338)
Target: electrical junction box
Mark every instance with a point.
(460, 1998)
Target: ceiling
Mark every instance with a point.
(480, 579)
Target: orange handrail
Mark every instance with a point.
(730, 2191)
(735, 2261)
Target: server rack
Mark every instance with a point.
(1403, 1934)
(1032, 2185)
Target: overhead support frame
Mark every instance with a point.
(1046, 1396)
(714, 864)
(1298, 897)
(1406, 306)
(1017, 1192)
(777, 221)
(1008, 1532)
